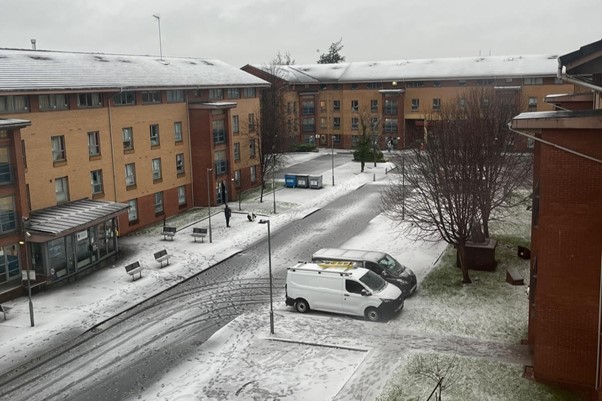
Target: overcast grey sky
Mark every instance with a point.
(243, 32)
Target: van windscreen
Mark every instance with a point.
(373, 281)
(391, 265)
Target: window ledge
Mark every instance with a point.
(96, 157)
(157, 181)
(98, 195)
(131, 187)
(59, 163)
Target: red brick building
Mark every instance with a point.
(565, 306)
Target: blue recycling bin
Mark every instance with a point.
(290, 180)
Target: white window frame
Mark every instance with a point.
(132, 210)
(156, 168)
(59, 152)
(96, 181)
(155, 139)
(61, 189)
(180, 163)
(158, 200)
(177, 131)
(182, 195)
(130, 174)
(94, 143)
(127, 135)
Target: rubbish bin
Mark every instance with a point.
(315, 181)
(290, 180)
(302, 181)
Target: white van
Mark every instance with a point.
(341, 288)
(380, 263)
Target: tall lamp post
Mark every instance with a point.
(332, 156)
(158, 17)
(262, 221)
(209, 170)
(28, 271)
(274, 181)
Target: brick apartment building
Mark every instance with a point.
(327, 101)
(114, 143)
(565, 305)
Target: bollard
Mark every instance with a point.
(385, 171)
(373, 176)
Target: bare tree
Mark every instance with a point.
(365, 148)
(465, 172)
(272, 127)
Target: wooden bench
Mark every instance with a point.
(199, 233)
(514, 277)
(134, 268)
(162, 256)
(4, 310)
(168, 232)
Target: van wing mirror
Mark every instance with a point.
(366, 293)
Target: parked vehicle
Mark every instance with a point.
(341, 288)
(380, 263)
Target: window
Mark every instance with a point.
(336, 123)
(235, 125)
(374, 123)
(8, 217)
(96, 178)
(390, 105)
(322, 105)
(53, 102)
(124, 98)
(251, 122)
(130, 174)
(253, 171)
(374, 105)
(221, 164)
(237, 178)
(180, 163)
(156, 168)
(249, 92)
(355, 105)
(9, 263)
(415, 104)
(89, 100)
(336, 105)
(237, 151)
(233, 93)
(252, 148)
(132, 210)
(322, 122)
(308, 107)
(158, 202)
(6, 174)
(309, 124)
(534, 81)
(177, 131)
(216, 94)
(532, 103)
(128, 138)
(415, 84)
(462, 82)
(291, 107)
(353, 287)
(11, 104)
(336, 139)
(436, 104)
(391, 125)
(154, 135)
(149, 97)
(436, 84)
(354, 86)
(354, 123)
(219, 131)
(93, 143)
(61, 189)
(375, 85)
(175, 96)
(58, 148)
(462, 103)
(182, 195)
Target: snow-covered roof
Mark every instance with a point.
(8, 123)
(420, 69)
(38, 70)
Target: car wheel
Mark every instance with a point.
(372, 314)
(301, 305)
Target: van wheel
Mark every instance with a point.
(301, 305)
(372, 314)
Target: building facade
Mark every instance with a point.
(135, 138)
(329, 103)
(565, 298)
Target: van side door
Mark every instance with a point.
(354, 302)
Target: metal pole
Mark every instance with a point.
(160, 45)
(29, 294)
(209, 202)
(403, 188)
(270, 269)
(332, 157)
(274, 181)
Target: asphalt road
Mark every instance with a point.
(121, 357)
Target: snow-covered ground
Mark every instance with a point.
(310, 357)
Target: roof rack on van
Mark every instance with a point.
(330, 267)
(336, 263)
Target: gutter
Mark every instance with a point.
(574, 152)
(574, 80)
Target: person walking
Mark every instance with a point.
(227, 213)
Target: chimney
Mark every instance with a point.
(33, 44)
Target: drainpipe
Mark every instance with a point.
(599, 330)
(112, 148)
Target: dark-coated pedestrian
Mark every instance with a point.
(227, 213)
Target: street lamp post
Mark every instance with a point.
(28, 271)
(262, 221)
(332, 156)
(158, 17)
(274, 180)
(209, 170)
(318, 141)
